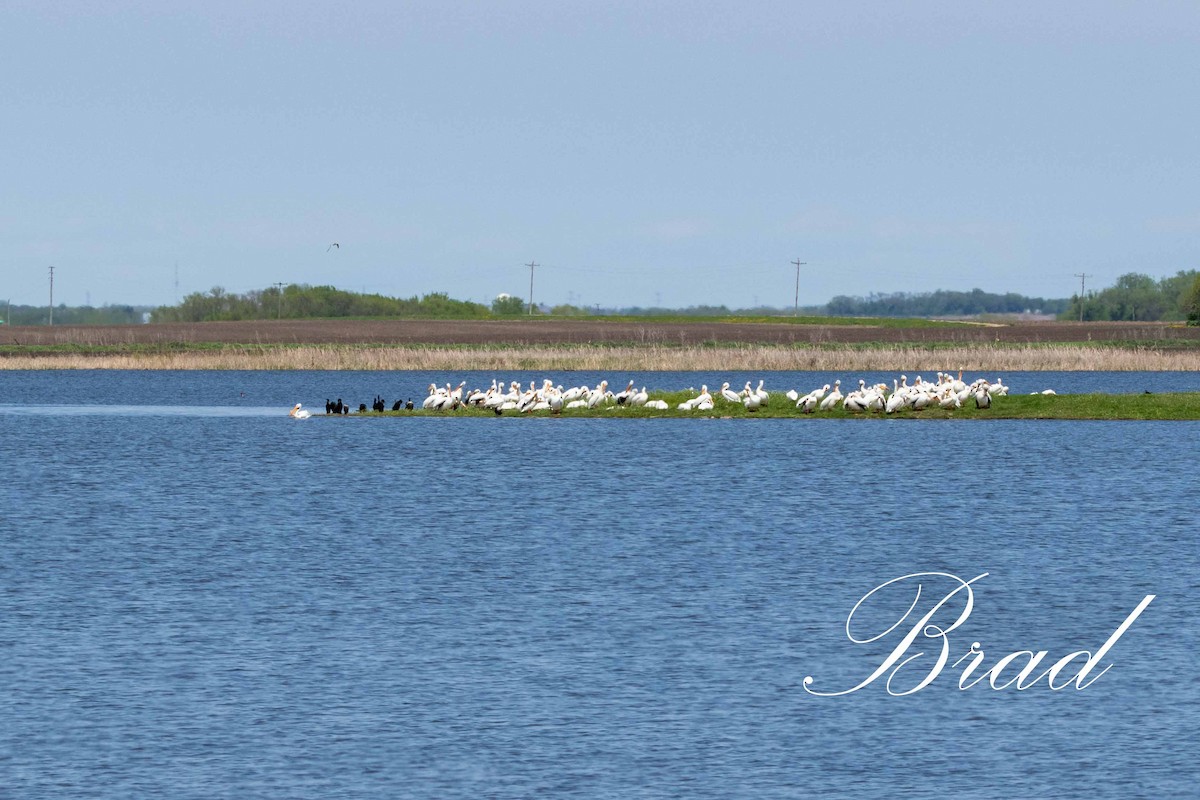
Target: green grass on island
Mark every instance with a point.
(1167, 406)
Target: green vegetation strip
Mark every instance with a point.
(1171, 406)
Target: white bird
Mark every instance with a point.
(855, 403)
(729, 394)
(948, 399)
(833, 397)
(874, 397)
(597, 394)
(575, 392)
(808, 403)
(763, 396)
(434, 397)
(299, 413)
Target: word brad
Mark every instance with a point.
(1014, 669)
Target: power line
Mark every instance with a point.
(1082, 283)
(531, 265)
(798, 264)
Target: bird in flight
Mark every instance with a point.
(335, 244)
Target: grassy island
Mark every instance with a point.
(1165, 406)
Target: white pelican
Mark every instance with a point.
(855, 402)
(833, 397)
(597, 395)
(729, 394)
(874, 397)
(808, 403)
(434, 397)
(763, 396)
(299, 413)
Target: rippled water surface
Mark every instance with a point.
(200, 597)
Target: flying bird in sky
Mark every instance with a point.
(335, 244)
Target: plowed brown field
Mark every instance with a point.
(582, 332)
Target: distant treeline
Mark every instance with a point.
(1138, 297)
(74, 315)
(1134, 297)
(941, 303)
(655, 311)
(310, 302)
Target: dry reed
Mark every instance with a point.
(1000, 357)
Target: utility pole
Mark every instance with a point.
(1082, 283)
(52, 295)
(279, 313)
(531, 265)
(798, 264)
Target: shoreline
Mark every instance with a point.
(1167, 406)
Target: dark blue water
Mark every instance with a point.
(312, 388)
(231, 603)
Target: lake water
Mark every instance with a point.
(201, 597)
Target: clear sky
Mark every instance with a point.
(644, 152)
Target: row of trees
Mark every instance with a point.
(74, 315)
(1133, 297)
(941, 303)
(1137, 297)
(309, 302)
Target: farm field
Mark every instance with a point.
(620, 343)
(593, 331)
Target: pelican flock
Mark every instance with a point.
(946, 392)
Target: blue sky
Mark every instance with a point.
(672, 153)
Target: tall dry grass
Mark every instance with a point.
(646, 358)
